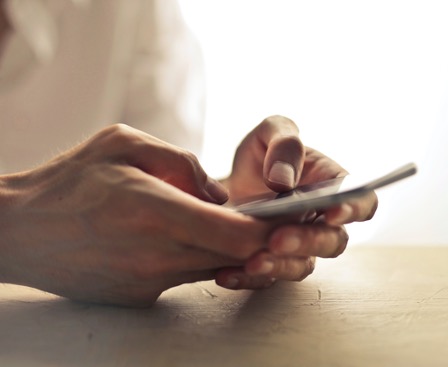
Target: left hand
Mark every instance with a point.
(272, 157)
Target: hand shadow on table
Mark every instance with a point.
(60, 332)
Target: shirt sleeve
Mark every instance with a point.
(165, 85)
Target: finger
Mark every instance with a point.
(358, 210)
(167, 162)
(319, 240)
(285, 153)
(169, 260)
(318, 167)
(280, 267)
(236, 278)
(199, 224)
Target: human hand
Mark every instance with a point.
(272, 157)
(119, 219)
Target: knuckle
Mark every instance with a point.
(110, 140)
(308, 268)
(277, 119)
(116, 129)
(330, 242)
(189, 157)
(365, 209)
(291, 142)
(191, 165)
(374, 208)
(120, 132)
(274, 121)
(342, 238)
(117, 135)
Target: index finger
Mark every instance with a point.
(155, 157)
(356, 210)
(168, 212)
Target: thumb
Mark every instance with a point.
(285, 153)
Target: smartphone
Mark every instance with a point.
(320, 195)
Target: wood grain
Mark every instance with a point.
(373, 306)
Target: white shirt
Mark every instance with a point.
(70, 67)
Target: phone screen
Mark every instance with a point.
(319, 195)
(331, 186)
(302, 194)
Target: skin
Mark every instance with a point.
(124, 216)
(292, 247)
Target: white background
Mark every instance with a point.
(366, 81)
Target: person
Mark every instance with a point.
(127, 213)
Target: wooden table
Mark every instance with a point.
(373, 306)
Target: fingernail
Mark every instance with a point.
(217, 191)
(289, 245)
(282, 173)
(231, 283)
(266, 267)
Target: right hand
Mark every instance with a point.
(119, 219)
(273, 158)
